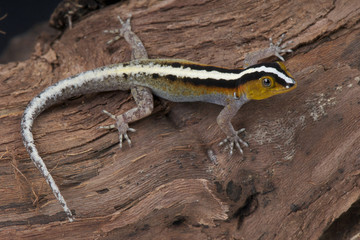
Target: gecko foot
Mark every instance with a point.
(234, 140)
(279, 48)
(121, 126)
(125, 27)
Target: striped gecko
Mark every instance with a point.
(174, 80)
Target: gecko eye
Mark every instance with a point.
(267, 82)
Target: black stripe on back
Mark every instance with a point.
(229, 83)
(209, 82)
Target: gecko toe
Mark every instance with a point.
(232, 141)
(239, 148)
(125, 27)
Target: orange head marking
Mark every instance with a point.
(265, 80)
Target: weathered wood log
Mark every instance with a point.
(299, 176)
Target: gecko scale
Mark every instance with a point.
(174, 80)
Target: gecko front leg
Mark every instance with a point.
(142, 95)
(273, 50)
(224, 121)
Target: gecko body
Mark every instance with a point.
(172, 79)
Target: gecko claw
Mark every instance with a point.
(234, 140)
(121, 139)
(239, 148)
(111, 126)
(127, 23)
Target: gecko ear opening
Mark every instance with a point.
(236, 97)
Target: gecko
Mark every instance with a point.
(171, 79)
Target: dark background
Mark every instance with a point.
(22, 15)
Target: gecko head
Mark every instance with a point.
(265, 80)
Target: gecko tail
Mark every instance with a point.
(32, 111)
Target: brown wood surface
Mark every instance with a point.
(298, 179)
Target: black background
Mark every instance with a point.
(22, 15)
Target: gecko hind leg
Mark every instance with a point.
(138, 50)
(145, 104)
(142, 95)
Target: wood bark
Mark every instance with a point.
(298, 180)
